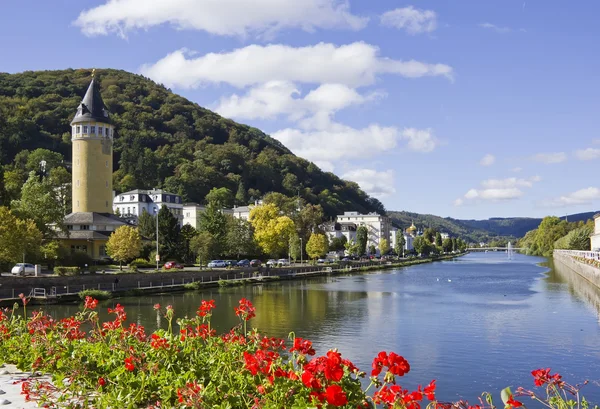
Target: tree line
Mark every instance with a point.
(554, 233)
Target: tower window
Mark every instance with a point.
(92, 130)
(100, 130)
(107, 183)
(85, 129)
(78, 129)
(106, 163)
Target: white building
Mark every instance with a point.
(445, 236)
(335, 230)
(408, 242)
(132, 204)
(378, 226)
(595, 238)
(240, 212)
(191, 214)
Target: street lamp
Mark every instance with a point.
(301, 261)
(157, 256)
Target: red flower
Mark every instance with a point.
(397, 364)
(309, 380)
(159, 342)
(90, 303)
(333, 369)
(430, 390)
(205, 308)
(513, 403)
(246, 310)
(303, 346)
(129, 364)
(101, 381)
(542, 376)
(23, 299)
(157, 306)
(336, 396)
(261, 389)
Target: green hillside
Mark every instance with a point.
(164, 140)
(476, 231)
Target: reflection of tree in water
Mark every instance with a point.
(578, 286)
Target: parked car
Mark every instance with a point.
(230, 263)
(345, 259)
(283, 262)
(172, 265)
(272, 263)
(321, 261)
(255, 263)
(243, 263)
(23, 269)
(217, 264)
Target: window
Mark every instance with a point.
(107, 183)
(187, 214)
(168, 199)
(107, 132)
(92, 130)
(78, 129)
(85, 130)
(128, 210)
(100, 130)
(70, 227)
(102, 251)
(132, 198)
(121, 198)
(106, 164)
(85, 227)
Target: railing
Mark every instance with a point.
(589, 255)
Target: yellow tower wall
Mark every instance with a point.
(92, 171)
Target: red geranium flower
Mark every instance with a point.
(513, 403)
(129, 364)
(90, 303)
(205, 308)
(430, 390)
(336, 396)
(101, 381)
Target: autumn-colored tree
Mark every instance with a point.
(384, 246)
(17, 237)
(317, 245)
(271, 230)
(124, 244)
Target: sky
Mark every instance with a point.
(469, 108)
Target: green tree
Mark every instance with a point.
(361, 239)
(18, 238)
(400, 243)
(187, 234)
(169, 235)
(454, 244)
(338, 243)
(60, 180)
(13, 183)
(384, 247)
(372, 249)
(220, 198)
(214, 221)
(52, 160)
(271, 231)
(147, 225)
(202, 245)
(295, 247)
(241, 198)
(429, 234)
(39, 202)
(422, 245)
(447, 245)
(240, 237)
(352, 248)
(124, 244)
(438, 239)
(317, 245)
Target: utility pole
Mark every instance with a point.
(301, 260)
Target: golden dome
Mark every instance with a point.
(412, 228)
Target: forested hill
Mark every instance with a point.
(478, 230)
(164, 140)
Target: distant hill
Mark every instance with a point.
(477, 230)
(164, 140)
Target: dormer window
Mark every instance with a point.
(168, 199)
(121, 198)
(92, 130)
(100, 131)
(85, 129)
(84, 227)
(132, 198)
(78, 129)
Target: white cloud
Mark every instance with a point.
(377, 184)
(509, 183)
(587, 154)
(581, 197)
(354, 65)
(550, 158)
(500, 29)
(495, 190)
(414, 21)
(420, 140)
(337, 141)
(275, 98)
(516, 170)
(222, 17)
(487, 160)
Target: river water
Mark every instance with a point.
(477, 323)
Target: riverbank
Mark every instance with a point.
(56, 290)
(579, 264)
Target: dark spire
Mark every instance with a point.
(92, 107)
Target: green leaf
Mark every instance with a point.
(505, 395)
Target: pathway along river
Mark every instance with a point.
(477, 323)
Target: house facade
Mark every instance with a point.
(130, 205)
(595, 238)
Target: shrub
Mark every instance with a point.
(97, 294)
(67, 271)
(141, 262)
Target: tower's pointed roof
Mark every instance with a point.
(92, 107)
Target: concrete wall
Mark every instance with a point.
(590, 273)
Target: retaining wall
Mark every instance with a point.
(589, 272)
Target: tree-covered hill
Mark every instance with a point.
(164, 140)
(476, 231)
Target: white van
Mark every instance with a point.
(23, 269)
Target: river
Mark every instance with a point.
(477, 323)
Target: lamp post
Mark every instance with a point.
(301, 260)
(157, 256)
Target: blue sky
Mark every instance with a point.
(468, 109)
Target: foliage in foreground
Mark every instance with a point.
(119, 365)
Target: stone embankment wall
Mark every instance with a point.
(587, 271)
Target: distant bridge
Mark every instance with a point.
(493, 248)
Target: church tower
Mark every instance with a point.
(92, 140)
